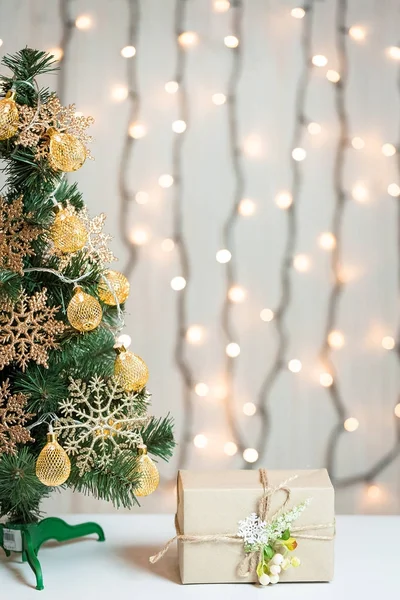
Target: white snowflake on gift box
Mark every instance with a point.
(253, 531)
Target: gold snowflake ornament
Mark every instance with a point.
(16, 235)
(28, 330)
(100, 422)
(12, 419)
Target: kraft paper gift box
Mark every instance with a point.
(212, 503)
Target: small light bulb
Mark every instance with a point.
(1, 43)
(357, 143)
(359, 192)
(128, 51)
(230, 448)
(298, 12)
(231, 41)
(195, 334)
(167, 245)
(223, 256)
(388, 150)
(327, 240)
(58, 53)
(319, 60)
(119, 93)
(388, 342)
(165, 181)
(326, 379)
(301, 263)
(188, 38)
(393, 52)
(332, 76)
(139, 237)
(294, 365)
(201, 389)
(137, 131)
(236, 294)
(357, 33)
(314, 128)
(83, 22)
(299, 154)
(397, 410)
(283, 200)
(218, 99)
(200, 440)
(351, 424)
(221, 6)
(178, 283)
(171, 87)
(141, 197)
(220, 391)
(266, 315)
(247, 207)
(232, 350)
(252, 145)
(336, 339)
(125, 340)
(393, 190)
(179, 126)
(249, 409)
(250, 455)
(374, 492)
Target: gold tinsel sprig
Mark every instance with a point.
(13, 419)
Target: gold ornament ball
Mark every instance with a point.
(84, 311)
(68, 232)
(116, 287)
(53, 465)
(9, 117)
(149, 475)
(131, 370)
(66, 152)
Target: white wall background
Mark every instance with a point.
(302, 415)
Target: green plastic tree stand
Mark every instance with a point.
(33, 535)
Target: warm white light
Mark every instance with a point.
(236, 294)
(336, 339)
(220, 391)
(128, 51)
(393, 52)
(139, 237)
(357, 143)
(119, 93)
(326, 379)
(230, 448)
(351, 424)
(231, 41)
(283, 200)
(232, 350)
(319, 60)
(137, 130)
(252, 145)
(125, 340)
(388, 342)
(301, 263)
(1, 43)
(327, 240)
(374, 492)
(393, 190)
(294, 365)
(201, 389)
(397, 410)
(247, 207)
(298, 13)
(388, 150)
(78, 113)
(221, 6)
(249, 409)
(58, 53)
(179, 126)
(200, 440)
(188, 38)
(83, 22)
(165, 181)
(218, 99)
(250, 455)
(195, 334)
(178, 283)
(171, 87)
(223, 256)
(141, 197)
(266, 315)
(167, 245)
(299, 154)
(333, 76)
(359, 192)
(357, 33)
(314, 128)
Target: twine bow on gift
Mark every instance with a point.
(248, 564)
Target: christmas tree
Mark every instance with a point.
(73, 401)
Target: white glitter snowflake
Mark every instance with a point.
(252, 530)
(100, 421)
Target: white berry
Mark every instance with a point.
(275, 569)
(264, 579)
(277, 559)
(274, 578)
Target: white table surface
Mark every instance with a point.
(367, 565)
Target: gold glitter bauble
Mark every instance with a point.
(66, 152)
(149, 475)
(131, 370)
(116, 288)
(68, 232)
(53, 465)
(84, 311)
(9, 117)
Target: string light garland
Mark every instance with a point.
(67, 27)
